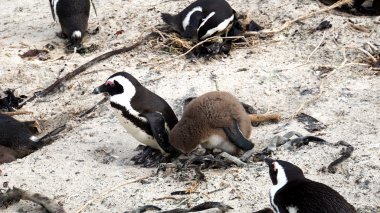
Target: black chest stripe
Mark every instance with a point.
(144, 126)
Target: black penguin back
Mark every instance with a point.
(221, 11)
(309, 196)
(147, 101)
(201, 15)
(73, 16)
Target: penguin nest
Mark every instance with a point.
(166, 40)
(169, 42)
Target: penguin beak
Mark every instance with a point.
(100, 89)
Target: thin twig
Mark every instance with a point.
(94, 107)
(165, 198)
(104, 194)
(374, 60)
(217, 190)
(316, 48)
(321, 87)
(372, 46)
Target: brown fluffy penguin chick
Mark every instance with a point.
(214, 120)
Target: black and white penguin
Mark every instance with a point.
(73, 17)
(145, 115)
(202, 19)
(292, 192)
(16, 140)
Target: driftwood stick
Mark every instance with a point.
(82, 68)
(15, 195)
(265, 117)
(93, 108)
(16, 113)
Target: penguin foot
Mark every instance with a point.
(153, 160)
(61, 35)
(206, 161)
(140, 158)
(149, 157)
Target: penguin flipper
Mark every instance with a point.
(191, 30)
(52, 8)
(93, 6)
(171, 21)
(238, 138)
(157, 125)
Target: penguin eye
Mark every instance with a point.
(110, 83)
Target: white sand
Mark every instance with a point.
(71, 169)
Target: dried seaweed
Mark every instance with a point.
(10, 102)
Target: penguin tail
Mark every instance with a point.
(167, 18)
(76, 34)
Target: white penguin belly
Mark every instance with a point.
(136, 132)
(219, 142)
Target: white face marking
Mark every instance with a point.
(76, 34)
(281, 181)
(186, 20)
(205, 20)
(33, 138)
(292, 209)
(54, 3)
(222, 26)
(124, 99)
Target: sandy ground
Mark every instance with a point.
(274, 75)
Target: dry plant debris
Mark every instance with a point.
(14, 195)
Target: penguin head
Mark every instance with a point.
(282, 172)
(120, 83)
